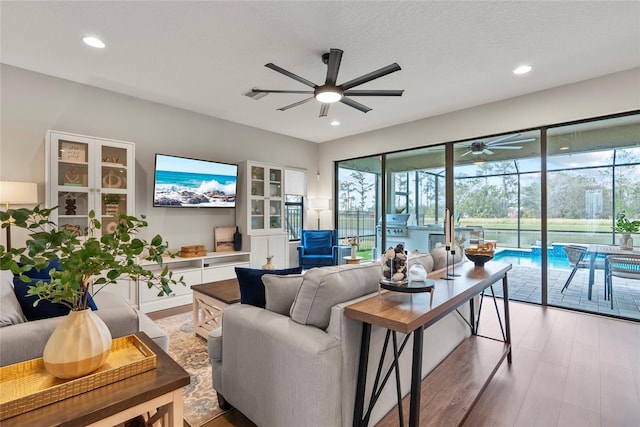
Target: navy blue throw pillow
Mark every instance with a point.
(251, 286)
(44, 309)
(44, 272)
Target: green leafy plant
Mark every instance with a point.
(84, 262)
(623, 225)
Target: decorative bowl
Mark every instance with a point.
(479, 259)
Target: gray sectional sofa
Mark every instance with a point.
(294, 362)
(22, 340)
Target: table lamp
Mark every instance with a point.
(17, 193)
(319, 205)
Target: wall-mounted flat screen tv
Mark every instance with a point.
(184, 182)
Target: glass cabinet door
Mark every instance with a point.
(73, 181)
(275, 182)
(265, 199)
(89, 174)
(275, 214)
(257, 181)
(113, 185)
(257, 214)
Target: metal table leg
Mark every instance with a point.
(362, 374)
(416, 378)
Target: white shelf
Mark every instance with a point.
(73, 162)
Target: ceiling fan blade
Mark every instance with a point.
(280, 91)
(333, 65)
(507, 147)
(468, 152)
(290, 74)
(512, 142)
(371, 76)
(295, 104)
(502, 138)
(324, 110)
(373, 92)
(354, 104)
(487, 151)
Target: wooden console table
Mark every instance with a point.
(410, 314)
(156, 391)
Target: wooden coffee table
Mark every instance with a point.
(209, 302)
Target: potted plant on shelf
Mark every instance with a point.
(626, 227)
(82, 265)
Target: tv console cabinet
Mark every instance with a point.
(213, 267)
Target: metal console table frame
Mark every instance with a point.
(399, 313)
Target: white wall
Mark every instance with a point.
(31, 103)
(610, 94)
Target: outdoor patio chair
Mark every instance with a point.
(620, 266)
(576, 255)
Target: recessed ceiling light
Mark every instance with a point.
(523, 69)
(564, 148)
(335, 123)
(478, 162)
(94, 42)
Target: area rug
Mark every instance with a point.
(190, 351)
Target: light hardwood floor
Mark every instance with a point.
(569, 369)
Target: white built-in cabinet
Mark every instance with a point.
(212, 267)
(260, 212)
(86, 173)
(273, 245)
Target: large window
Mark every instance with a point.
(533, 192)
(358, 203)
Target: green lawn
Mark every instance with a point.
(534, 224)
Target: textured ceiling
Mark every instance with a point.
(202, 56)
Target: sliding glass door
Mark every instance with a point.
(593, 176)
(497, 184)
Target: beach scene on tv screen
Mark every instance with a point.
(194, 183)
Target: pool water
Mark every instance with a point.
(527, 259)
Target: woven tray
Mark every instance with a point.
(26, 386)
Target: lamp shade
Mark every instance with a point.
(18, 193)
(319, 204)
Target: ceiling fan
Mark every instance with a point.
(502, 143)
(330, 91)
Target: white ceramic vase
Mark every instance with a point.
(79, 345)
(353, 252)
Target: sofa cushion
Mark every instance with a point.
(280, 291)
(317, 260)
(324, 287)
(251, 286)
(439, 255)
(45, 309)
(424, 259)
(10, 310)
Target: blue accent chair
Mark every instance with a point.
(318, 248)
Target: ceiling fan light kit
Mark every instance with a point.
(331, 92)
(328, 94)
